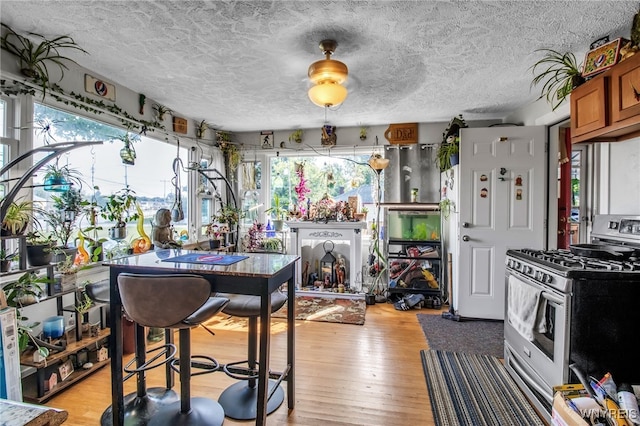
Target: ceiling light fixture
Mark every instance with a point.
(327, 75)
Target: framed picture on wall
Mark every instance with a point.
(266, 139)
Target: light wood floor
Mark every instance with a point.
(345, 374)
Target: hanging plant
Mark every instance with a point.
(161, 111)
(128, 152)
(201, 129)
(296, 136)
(560, 73)
(34, 56)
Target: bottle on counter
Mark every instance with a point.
(628, 403)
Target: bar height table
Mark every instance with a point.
(259, 274)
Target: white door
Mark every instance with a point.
(502, 206)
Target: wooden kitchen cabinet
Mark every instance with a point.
(607, 107)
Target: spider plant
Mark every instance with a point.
(34, 56)
(560, 73)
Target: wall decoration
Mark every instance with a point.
(602, 57)
(99, 87)
(266, 138)
(518, 194)
(518, 181)
(402, 134)
(483, 178)
(484, 192)
(180, 125)
(329, 137)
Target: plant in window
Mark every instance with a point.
(161, 111)
(62, 218)
(118, 210)
(128, 152)
(296, 136)
(560, 73)
(60, 178)
(229, 214)
(34, 56)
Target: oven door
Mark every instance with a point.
(541, 363)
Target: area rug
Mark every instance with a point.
(468, 336)
(474, 390)
(328, 309)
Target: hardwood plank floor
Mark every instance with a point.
(345, 374)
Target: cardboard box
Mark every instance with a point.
(10, 381)
(563, 415)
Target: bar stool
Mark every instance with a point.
(240, 399)
(179, 302)
(139, 406)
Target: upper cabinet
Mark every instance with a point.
(607, 107)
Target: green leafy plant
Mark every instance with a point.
(26, 290)
(119, 207)
(278, 210)
(37, 238)
(443, 156)
(83, 301)
(5, 255)
(229, 214)
(559, 73)
(62, 219)
(34, 56)
(447, 206)
(271, 244)
(18, 216)
(296, 136)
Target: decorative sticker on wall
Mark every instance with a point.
(99, 87)
(519, 194)
(518, 181)
(484, 192)
(483, 178)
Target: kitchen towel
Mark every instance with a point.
(525, 308)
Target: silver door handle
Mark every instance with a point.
(465, 224)
(465, 238)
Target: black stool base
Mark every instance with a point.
(138, 410)
(240, 402)
(204, 412)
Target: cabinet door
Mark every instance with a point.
(625, 88)
(589, 106)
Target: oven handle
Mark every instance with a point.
(546, 293)
(513, 362)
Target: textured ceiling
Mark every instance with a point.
(242, 65)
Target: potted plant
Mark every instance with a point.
(119, 210)
(560, 73)
(6, 258)
(363, 133)
(39, 248)
(60, 178)
(83, 305)
(296, 136)
(66, 273)
(272, 244)
(446, 157)
(61, 220)
(446, 207)
(128, 152)
(213, 233)
(278, 212)
(90, 235)
(17, 217)
(34, 56)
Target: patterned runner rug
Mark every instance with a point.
(328, 309)
(474, 390)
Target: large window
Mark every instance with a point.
(338, 176)
(103, 172)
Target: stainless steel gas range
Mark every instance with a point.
(574, 306)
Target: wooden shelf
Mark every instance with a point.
(30, 395)
(72, 347)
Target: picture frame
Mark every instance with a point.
(266, 139)
(65, 369)
(602, 57)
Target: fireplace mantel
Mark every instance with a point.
(335, 231)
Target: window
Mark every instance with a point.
(337, 176)
(102, 170)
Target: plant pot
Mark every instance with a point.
(5, 265)
(454, 159)
(278, 225)
(214, 244)
(360, 216)
(39, 255)
(60, 254)
(118, 233)
(370, 299)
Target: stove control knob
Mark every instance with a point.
(547, 279)
(540, 276)
(527, 269)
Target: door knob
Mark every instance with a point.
(561, 232)
(465, 238)
(465, 224)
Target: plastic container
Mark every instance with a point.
(628, 403)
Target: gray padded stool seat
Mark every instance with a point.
(139, 406)
(240, 399)
(179, 301)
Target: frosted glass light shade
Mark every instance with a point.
(328, 94)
